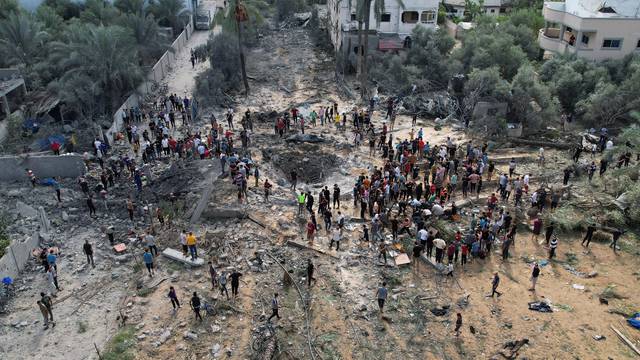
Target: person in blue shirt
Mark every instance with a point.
(148, 261)
(51, 259)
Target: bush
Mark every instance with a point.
(119, 347)
(224, 74)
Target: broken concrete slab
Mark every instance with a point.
(178, 256)
(302, 246)
(25, 210)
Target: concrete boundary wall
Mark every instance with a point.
(17, 255)
(157, 73)
(12, 168)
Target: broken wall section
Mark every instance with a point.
(17, 255)
(13, 167)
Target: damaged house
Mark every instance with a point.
(391, 32)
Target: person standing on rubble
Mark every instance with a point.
(148, 261)
(535, 273)
(191, 243)
(223, 284)
(150, 241)
(46, 301)
(301, 200)
(336, 236)
(310, 269)
(494, 285)
(235, 282)
(88, 250)
(381, 294)
(213, 274)
(91, 206)
(45, 313)
(174, 298)
(275, 306)
(195, 305)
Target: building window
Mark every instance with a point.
(638, 44)
(385, 18)
(585, 39)
(353, 17)
(611, 43)
(410, 17)
(493, 11)
(503, 10)
(428, 17)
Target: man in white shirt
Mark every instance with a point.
(335, 237)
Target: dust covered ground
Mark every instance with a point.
(337, 316)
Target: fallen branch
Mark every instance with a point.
(626, 341)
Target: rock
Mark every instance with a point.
(140, 326)
(215, 349)
(362, 307)
(164, 337)
(68, 129)
(188, 335)
(215, 328)
(592, 274)
(65, 216)
(25, 210)
(141, 337)
(14, 193)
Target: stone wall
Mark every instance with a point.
(16, 256)
(68, 165)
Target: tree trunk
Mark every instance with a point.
(359, 58)
(365, 50)
(242, 65)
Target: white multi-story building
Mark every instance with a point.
(591, 29)
(391, 32)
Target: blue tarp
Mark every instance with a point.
(45, 144)
(635, 321)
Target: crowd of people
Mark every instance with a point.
(418, 186)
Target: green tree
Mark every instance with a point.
(130, 6)
(67, 9)
(473, 9)
(531, 100)
(99, 63)
(223, 75)
(146, 35)
(50, 19)
(429, 52)
(98, 12)
(530, 17)
(170, 13)
(378, 10)
(8, 7)
(23, 42)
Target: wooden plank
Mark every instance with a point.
(177, 255)
(626, 341)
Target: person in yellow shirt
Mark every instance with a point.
(337, 120)
(191, 243)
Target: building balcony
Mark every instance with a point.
(559, 41)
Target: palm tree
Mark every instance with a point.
(145, 33)
(130, 6)
(22, 40)
(378, 10)
(228, 21)
(99, 12)
(102, 60)
(171, 13)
